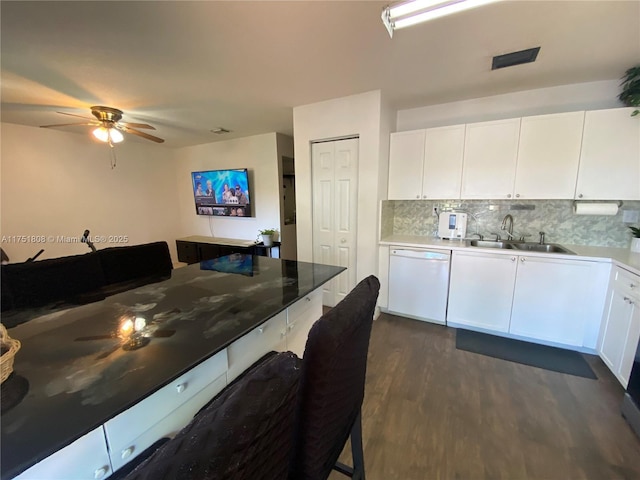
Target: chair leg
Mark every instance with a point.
(357, 471)
(356, 449)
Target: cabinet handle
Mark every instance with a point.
(261, 330)
(508, 195)
(424, 196)
(513, 259)
(522, 259)
(628, 300)
(181, 387)
(283, 333)
(308, 299)
(517, 195)
(343, 240)
(101, 472)
(580, 195)
(126, 453)
(290, 327)
(632, 285)
(417, 196)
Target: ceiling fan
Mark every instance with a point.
(109, 128)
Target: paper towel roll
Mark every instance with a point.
(595, 208)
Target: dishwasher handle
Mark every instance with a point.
(421, 254)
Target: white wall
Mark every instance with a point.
(259, 155)
(349, 116)
(565, 98)
(61, 183)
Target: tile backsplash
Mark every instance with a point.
(555, 217)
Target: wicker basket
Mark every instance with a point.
(6, 360)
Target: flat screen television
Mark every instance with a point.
(222, 193)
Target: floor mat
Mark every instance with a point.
(533, 354)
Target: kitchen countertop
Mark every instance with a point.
(622, 257)
(78, 376)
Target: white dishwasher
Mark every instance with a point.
(419, 283)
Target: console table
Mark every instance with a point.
(98, 395)
(197, 248)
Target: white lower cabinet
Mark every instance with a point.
(621, 324)
(247, 350)
(549, 299)
(86, 458)
(300, 318)
(558, 300)
(164, 413)
(481, 290)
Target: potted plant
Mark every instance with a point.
(630, 95)
(267, 236)
(635, 241)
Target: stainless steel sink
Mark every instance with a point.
(526, 246)
(489, 244)
(546, 248)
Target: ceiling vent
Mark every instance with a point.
(220, 130)
(515, 58)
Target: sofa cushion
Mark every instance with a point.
(34, 284)
(124, 264)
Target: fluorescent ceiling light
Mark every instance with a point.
(409, 13)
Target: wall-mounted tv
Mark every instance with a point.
(222, 193)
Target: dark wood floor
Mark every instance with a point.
(434, 412)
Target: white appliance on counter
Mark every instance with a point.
(452, 225)
(419, 283)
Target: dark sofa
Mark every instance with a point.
(83, 278)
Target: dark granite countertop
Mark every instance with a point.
(79, 375)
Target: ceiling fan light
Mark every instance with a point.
(101, 134)
(105, 134)
(116, 136)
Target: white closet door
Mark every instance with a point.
(335, 199)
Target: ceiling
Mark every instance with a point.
(188, 67)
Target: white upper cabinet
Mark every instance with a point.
(490, 154)
(610, 156)
(548, 156)
(406, 158)
(442, 174)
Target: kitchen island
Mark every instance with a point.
(112, 370)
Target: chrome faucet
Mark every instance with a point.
(541, 238)
(480, 237)
(504, 225)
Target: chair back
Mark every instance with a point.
(244, 434)
(332, 382)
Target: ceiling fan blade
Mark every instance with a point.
(74, 115)
(141, 134)
(137, 125)
(67, 124)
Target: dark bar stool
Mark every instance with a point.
(244, 434)
(332, 387)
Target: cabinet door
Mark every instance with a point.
(481, 290)
(187, 252)
(610, 156)
(300, 318)
(553, 299)
(86, 458)
(444, 148)
(406, 156)
(616, 326)
(166, 411)
(248, 349)
(630, 344)
(548, 156)
(490, 154)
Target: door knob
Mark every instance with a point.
(343, 240)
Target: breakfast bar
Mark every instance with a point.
(115, 376)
